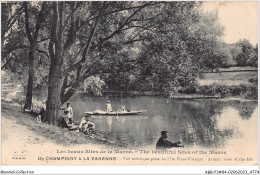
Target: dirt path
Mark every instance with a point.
(17, 141)
(18, 136)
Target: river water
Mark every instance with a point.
(196, 123)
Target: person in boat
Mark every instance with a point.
(164, 144)
(123, 108)
(85, 125)
(69, 112)
(109, 107)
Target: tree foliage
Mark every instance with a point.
(16, 45)
(248, 54)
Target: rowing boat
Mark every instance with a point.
(99, 112)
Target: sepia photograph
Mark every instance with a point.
(129, 83)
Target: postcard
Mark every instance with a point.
(129, 83)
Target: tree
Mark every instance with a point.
(248, 55)
(32, 34)
(10, 14)
(93, 85)
(186, 42)
(205, 43)
(16, 45)
(82, 44)
(254, 61)
(11, 31)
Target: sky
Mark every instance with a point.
(240, 19)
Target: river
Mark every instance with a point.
(196, 123)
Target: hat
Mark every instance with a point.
(164, 132)
(108, 101)
(68, 102)
(87, 115)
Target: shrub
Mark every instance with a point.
(248, 92)
(188, 90)
(253, 80)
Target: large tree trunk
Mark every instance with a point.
(28, 101)
(55, 74)
(53, 102)
(32, 36)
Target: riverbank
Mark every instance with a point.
(212, 91)
(248, 92)
(49, 134)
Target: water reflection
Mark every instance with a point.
(203, 123)
(109, 123)
(245, 133)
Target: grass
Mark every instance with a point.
(232, 76)
(56, 134)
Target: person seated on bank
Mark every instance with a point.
(42, 113)
(64, 122)
(41, 117)
(109, 107)
(85, 125)
(163, 144)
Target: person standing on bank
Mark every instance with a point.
(163, 144)
(69, 112)
(109, 107)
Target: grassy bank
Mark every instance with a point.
(242, 91)
(54, 133)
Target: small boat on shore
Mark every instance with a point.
(99, 112)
